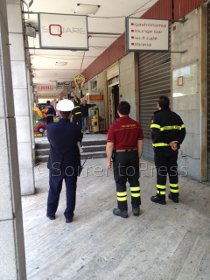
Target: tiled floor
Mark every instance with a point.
(166, 242)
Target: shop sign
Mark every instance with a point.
(96, 97)
(64, 84)
(146, 34)
(47, 95)
(44, 87)
(60, 31)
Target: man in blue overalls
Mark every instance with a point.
(64, 160)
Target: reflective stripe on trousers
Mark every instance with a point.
(161, 190)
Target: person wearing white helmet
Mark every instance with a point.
(64, 160)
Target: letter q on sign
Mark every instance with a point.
(55, 30)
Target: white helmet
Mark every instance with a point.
(65, 105)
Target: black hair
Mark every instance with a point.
(164, 102)
(48, 102)
(124, 108)
(65, 115)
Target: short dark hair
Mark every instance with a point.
(65, 115)
(124, 108)
(164, 102)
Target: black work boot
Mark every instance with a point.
(174, 197)
(51, 217)
(121, 213)
(136, 210)
(158, 199)
(69, 220)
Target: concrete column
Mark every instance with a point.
(12, 256)
(203, 96)
(188, 36)
(21, 98)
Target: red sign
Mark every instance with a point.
(44, 87)
(96, 97)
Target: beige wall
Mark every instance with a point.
(189, 37)
(128, 83)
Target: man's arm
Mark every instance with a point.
(140, 147)
(90, 105)
(175, 145)
(182, 133)
(109, 151)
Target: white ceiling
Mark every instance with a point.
(109, 19)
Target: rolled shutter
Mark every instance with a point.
(208, 90)
(154, 80)
(113, 71)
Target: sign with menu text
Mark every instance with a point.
(146, 34)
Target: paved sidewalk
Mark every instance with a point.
(165, 242)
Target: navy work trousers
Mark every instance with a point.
(55, 182)
(166, 163)
(126, 168)
(77, 120)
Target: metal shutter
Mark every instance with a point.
(113, 71)
(154, 80)
(208, 91)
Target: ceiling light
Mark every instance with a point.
(86, 9)
(60, 63)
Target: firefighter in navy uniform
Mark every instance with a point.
(64, 160)
(77, 113)
(50, 112)
(168, 133)
(124, 145)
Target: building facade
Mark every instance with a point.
(181, 73)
